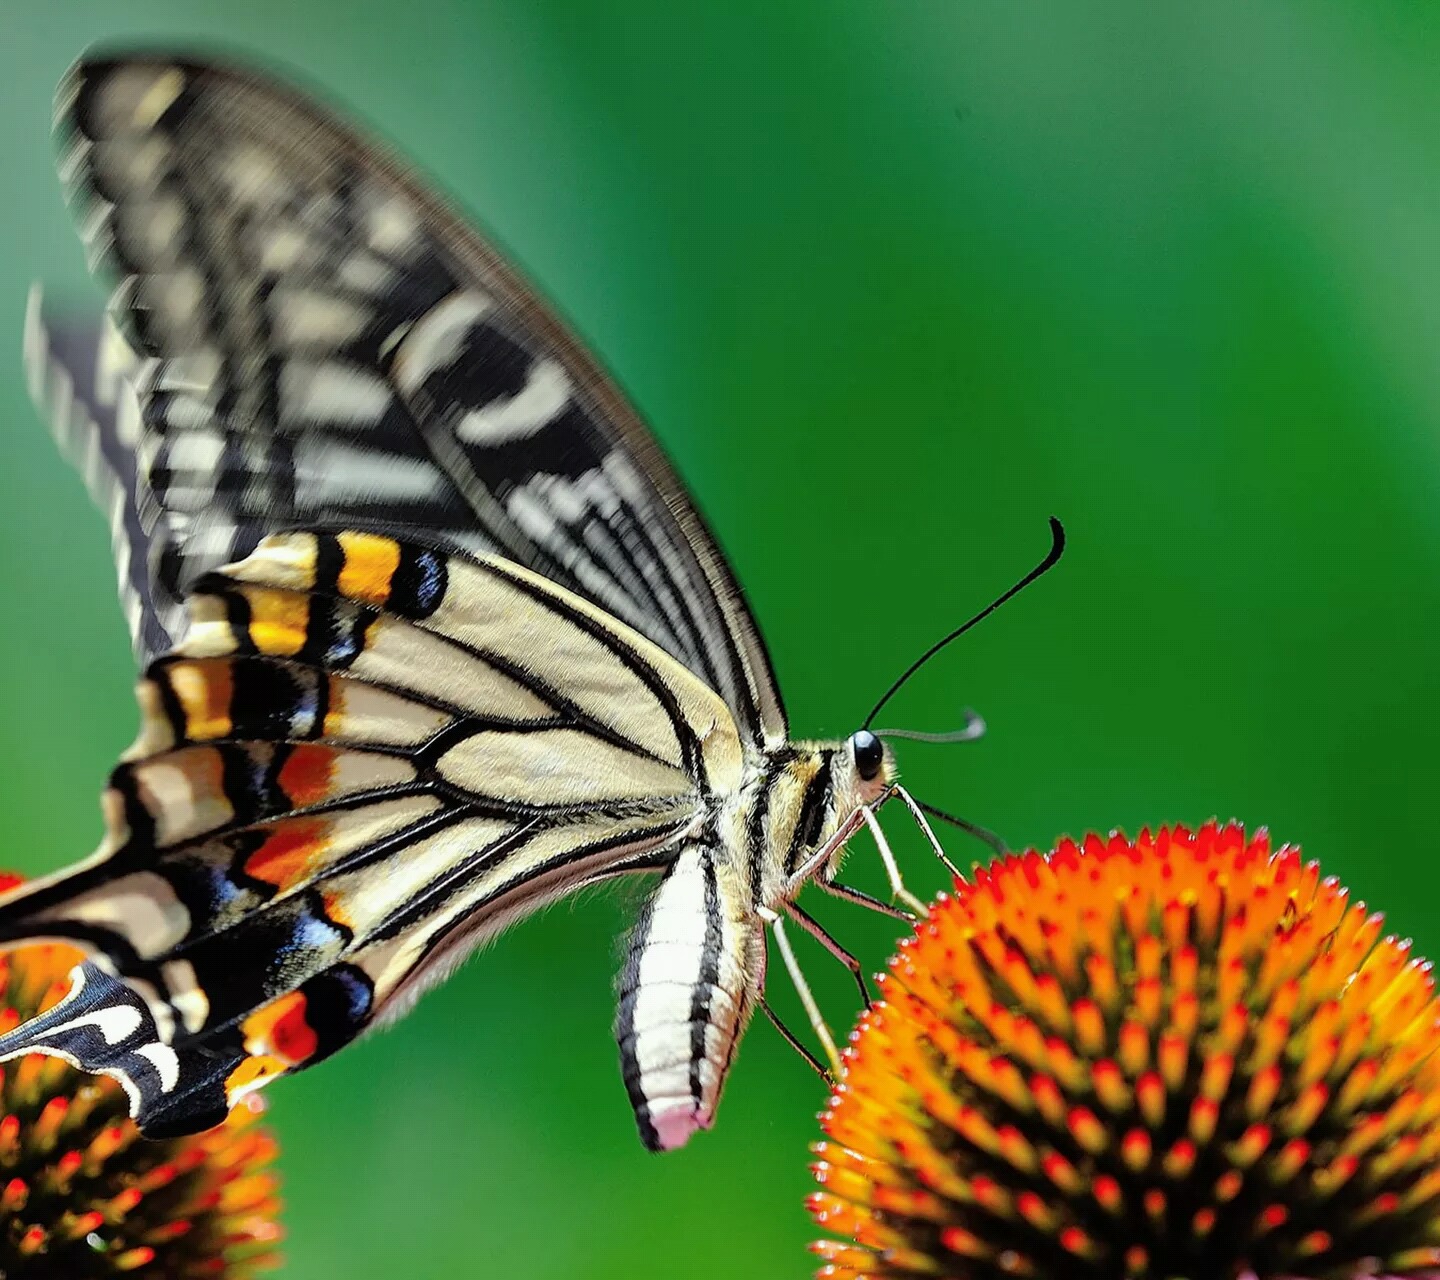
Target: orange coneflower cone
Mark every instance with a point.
(83, 1196)
(1179, 1056)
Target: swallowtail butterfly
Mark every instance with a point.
(433, 633)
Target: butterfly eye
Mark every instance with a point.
(869, 754)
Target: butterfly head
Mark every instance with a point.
(844, 777)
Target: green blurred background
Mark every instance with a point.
(893, 283)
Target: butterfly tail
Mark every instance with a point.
(137, 1010)
(104, 1028)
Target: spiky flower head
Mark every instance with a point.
(1179, 1056)
(84, 1196)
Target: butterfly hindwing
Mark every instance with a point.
(366, 757)
(325, 343)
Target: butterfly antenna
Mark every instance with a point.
(1057, 549)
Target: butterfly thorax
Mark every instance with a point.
(792, 801)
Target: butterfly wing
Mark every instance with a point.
(323, 342)
(365, 758)
(81, 378)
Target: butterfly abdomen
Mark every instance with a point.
(695, 960)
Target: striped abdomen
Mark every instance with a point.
(695, 962)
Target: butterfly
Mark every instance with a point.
(433, 634)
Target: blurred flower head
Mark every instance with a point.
(83, 1195)
(1182, 1055)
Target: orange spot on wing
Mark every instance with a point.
(280, 1032)
(334, 726)
(307, 775)
(204, 688)
(278, 620)
(252, 1074)
(370, 563)
(290, 853)
(335, 908)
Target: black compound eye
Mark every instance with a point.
(869, 754)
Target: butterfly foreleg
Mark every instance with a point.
(929, 832)
(822, 862)
(823, 857)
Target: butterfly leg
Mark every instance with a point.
(918, 812)
(796, 1043)
(920, 821)
(802, 988)
(859, 898)
(818, 860)
(821, 858)
(818, 931)
(887, 859)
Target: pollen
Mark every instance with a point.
(1184, 1055)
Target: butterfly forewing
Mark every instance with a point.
(327, 344)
